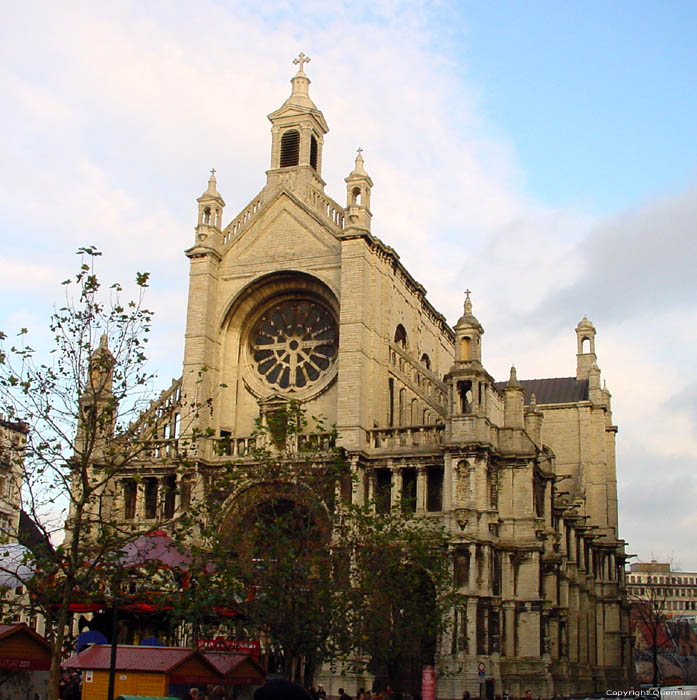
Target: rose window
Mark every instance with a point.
(294, 344)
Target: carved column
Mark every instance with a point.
(421, 489)
(395, 488)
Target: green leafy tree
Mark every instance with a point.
(78, 404)
(314, 574)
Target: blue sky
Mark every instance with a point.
(542, 154)
(598, 97)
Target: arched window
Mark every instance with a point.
(400, 337)
(207, 215)
(313, 151)
(586, 345)
(426, 361)
(290, 148)
(356, 195)
(465, 349)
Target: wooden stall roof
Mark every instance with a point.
(137, 658)
(237, 667)
(23, 649)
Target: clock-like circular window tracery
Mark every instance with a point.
(294, 344)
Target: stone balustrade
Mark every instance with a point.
(408, 437)
(241, 221)
(328, 208)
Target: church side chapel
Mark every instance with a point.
(296, 299)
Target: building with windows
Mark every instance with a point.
(674, 592)
(296, 298)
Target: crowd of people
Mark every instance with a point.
(388, 693)
(70, 685)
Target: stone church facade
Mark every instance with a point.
(296, 298)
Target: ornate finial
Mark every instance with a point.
(104, 342)
(533, 400)
(300, 60)
(468, 302)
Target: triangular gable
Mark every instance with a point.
(237, 669)
(286, 230)
(245, 669)
(195, 664)
(21, 647)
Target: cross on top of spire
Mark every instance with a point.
(212, 172)
(359, 150)
(300, 61)
(468, 302)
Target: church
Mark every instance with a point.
(297, 299)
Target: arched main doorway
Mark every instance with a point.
(279, 538)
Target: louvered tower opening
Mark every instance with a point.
(313, 151)
(290, 149)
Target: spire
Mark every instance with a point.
(513, 402)
(359, 169)
(468, 303)
(513, 379)
(212, 188)
(300, 93)
(468, 319)
(101, 364)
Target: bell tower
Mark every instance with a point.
(297, 137)
(585, 354)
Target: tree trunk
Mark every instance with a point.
(57, 645)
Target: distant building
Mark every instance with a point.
(13, 435)
(674, 592)
(18, 532)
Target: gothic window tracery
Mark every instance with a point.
(294, 344)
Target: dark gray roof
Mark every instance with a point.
(31, 536)
(556, 390)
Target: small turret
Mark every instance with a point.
(210, 213)
(514, 401)
(101, 367)
(595, 393)
(98, 406)
(468, 334)
(585, 354)
(358, 186)
(533, 421)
